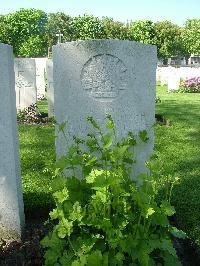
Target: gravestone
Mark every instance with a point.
(25, 82)
(40, 64)
(173, 80)
(95, 77)
(11, 202)
(50, 89)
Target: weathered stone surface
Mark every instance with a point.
(11, 202)
(50, 88)
(25, 82)
(92, 78)
(40, 64)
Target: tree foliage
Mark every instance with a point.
(58, 22)
(32, 32)
(168, 39)
(87, 27)
(115, 29)
(191, 36)
(18, 27)
(35, 46)
(143, 31)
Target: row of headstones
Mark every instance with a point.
(31, 78)
(171, 76)
(91, 78)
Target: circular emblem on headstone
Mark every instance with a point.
(105, 76)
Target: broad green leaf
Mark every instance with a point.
(62, 195)
(95, 258)
(159, 219)
(54, 214)
(62, 163)
(154, 244)
(167, 208)
(76, 212)
(119, 151)
(58, 183)
(166, 244)
(107, 140)
(144, 136)
(62, 126)
(110, 125)
(61, 231)
(91, 161)
(149, 212)
(64, 228)
(56, 171)
(51, 257)
(105, 259)
(77, 263)
(178, 233)
(119, 257)
(171, 260)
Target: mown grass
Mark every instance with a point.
(43, 106)
(177, 147)
(37, 153)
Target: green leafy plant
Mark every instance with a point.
(103, 215)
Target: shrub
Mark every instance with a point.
(102, 215)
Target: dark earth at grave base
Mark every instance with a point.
(28, 252)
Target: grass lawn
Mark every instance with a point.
(177, 148)
(43, 106)
(37, 158)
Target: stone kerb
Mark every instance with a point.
(25, 82)
(50, 88)
(95, 77)
(11, 202)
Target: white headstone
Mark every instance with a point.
(50, 89)
(40, 76)
(11, 202)
(173, 80)
(25, 82)
(95, 77)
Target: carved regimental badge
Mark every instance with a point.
(105, 76)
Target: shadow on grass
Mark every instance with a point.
(37, 205)
(181, 112)
(37, 154)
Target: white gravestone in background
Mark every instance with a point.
(25, 82)
(40, 64)
(50, 89)
(92, 78)
(11, 202)
(173, 80)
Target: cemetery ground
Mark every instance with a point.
(177, 148)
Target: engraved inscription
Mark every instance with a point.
(21, 82)
(104, 76)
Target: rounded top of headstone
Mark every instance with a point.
(104, 42)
